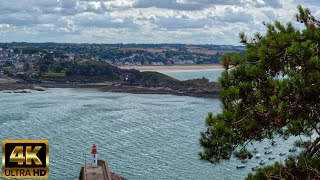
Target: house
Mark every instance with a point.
(18, 65)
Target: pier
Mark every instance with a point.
(97, 169)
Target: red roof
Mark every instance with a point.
(94, 149)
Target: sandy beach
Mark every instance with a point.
(7, 80)
(175, 67)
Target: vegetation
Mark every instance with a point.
(96, 69)
(157, 79)
(151, 78)
(55, 75)
(294, 168)
(272, 90)
(31, 50)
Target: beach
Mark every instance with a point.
(175, 67)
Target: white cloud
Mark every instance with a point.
(142, 21)
(170, 4)
(4, 26)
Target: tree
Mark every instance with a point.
(43, 68)
(56, 68)
(8, 64)
(30, 50)
(272, 90)
(26, 66)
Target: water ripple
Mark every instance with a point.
(141, 136)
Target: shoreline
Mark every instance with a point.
(176, 67)
(107, 87)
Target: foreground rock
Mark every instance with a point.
(116, 87)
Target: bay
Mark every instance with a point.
(141, 136)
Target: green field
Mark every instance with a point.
(55, 75)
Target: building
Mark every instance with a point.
(94, 153)
(97, 169)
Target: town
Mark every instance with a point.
(48, 59)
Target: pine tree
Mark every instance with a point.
(272, 90)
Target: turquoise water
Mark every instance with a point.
(211, 74)
(141, 136)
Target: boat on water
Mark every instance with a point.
(262, 162)
(273, 143)
(255, 168)
(268, 152)
(271, 158)
(241, 166)
(267, 147)
(258, 156)
(255, 150)
(282, 153)
(293, 150)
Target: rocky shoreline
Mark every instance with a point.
(110, 87)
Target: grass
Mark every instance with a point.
(55, 75)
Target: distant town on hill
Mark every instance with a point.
(75, 65)
(116, 54)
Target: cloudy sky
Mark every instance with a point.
(141, 21)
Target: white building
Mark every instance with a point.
(94, 153)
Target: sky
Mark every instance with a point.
(142, 21)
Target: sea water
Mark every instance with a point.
(140, 136)
(211, 74)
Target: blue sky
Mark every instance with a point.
(142, 21)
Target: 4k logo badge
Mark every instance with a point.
(25, 158)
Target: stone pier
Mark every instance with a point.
(98, 173)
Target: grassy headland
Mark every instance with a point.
(106, 77)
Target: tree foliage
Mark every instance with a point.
(94, 69)
(272, 90)
(293, 168)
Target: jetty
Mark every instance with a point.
(97, 169)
